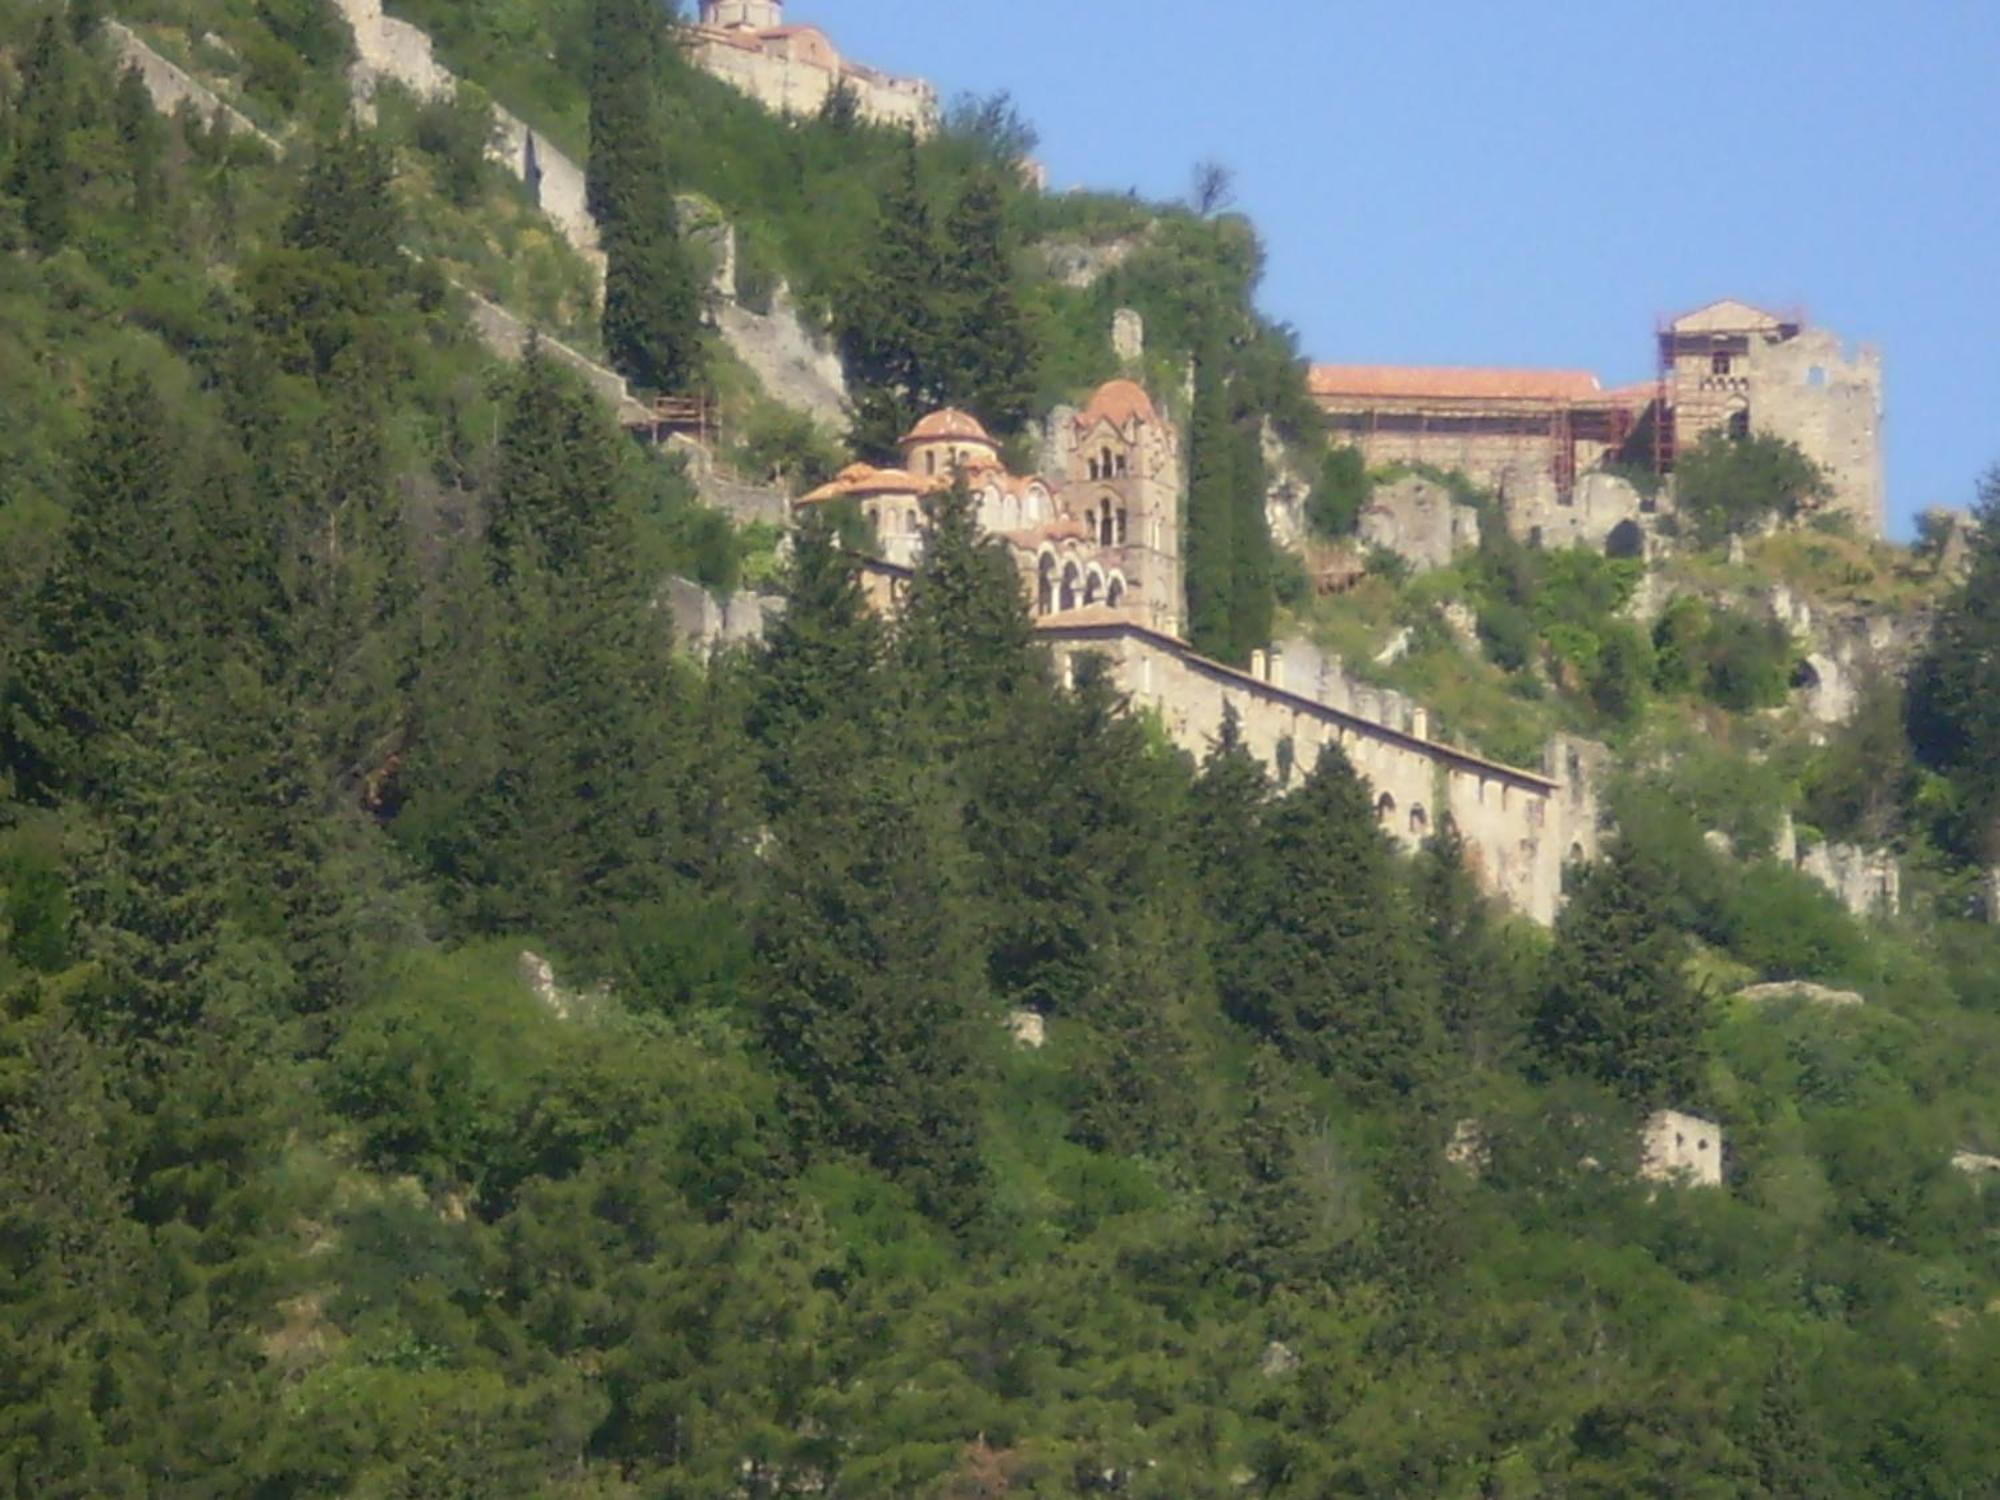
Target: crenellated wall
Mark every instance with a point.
(1521, 828)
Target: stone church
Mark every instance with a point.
(793, 69)
(1104, 536)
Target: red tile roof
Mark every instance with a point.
(949, 423)
(1118, 402)
(1400, 382)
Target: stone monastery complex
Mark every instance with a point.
(793, 69)
(1097, 538)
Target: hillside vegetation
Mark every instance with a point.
(450, 1044)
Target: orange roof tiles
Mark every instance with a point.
(1118, 402)
(948, 423)
(865, 479)
(1414, 383)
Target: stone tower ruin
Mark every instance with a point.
(1734, 368)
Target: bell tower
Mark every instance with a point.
(747, 15)
(1124, 484)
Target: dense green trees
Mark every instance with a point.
(1725, 485)
(1953, 699)
(335, 681)
(1229, 554)
(932, 317)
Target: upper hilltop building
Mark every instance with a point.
(793, 69)
(1531, 435)
(1103, 536)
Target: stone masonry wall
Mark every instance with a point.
(1520, 827)
(170, 87)
(388, 48)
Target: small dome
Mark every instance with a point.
(1118, 402)
(948, 425)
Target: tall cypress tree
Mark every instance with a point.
(1211, 529)
(1616, 1005)
(1476, 994)
(1252, 601)
(652, 297)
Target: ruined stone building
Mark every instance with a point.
(793, 69)
(1533, 436)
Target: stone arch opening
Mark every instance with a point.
(1805, 676)
(1626, 540)
(1420, 821)
(1104, 523)
(1385, 807)
(1045, 583)
(1072, 582)
(1093, 586)
(1114, 591)
(1739, 423)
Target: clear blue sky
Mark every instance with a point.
(1532, 182)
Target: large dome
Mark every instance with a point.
(949, 425)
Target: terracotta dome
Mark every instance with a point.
(949, 425)
(1118, 402)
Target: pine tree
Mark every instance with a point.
(558, 813)
(985, 354)
(866, 939)
(1476, 1003)
(1786, 1440)
(964, 640)
(346, 207)
(116, 587)
(1326, 968)
(818, 683)
(1616, 1006)
(891, 320)
(42, 175)
(151, 883)
(143, 136)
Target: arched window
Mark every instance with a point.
(1104, 523)
(1095, 472)
(1072, 577)
(1739, 423)
(1420, 821)
(1093, 586)
(1385, 807)
(1121, 526)
(1104, 458)
(1114, 593)
(1045, 584)
(1121, 466)
(910, 521)
(1625, 540)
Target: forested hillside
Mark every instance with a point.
(453, 1045)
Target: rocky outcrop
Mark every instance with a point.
(1796, 989)
(705, 621)
(1418, 520)
(796, 368)
(539, 975)
(1080, 265)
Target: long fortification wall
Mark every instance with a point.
(170, 86)
(1520, 827)
(386, 48)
